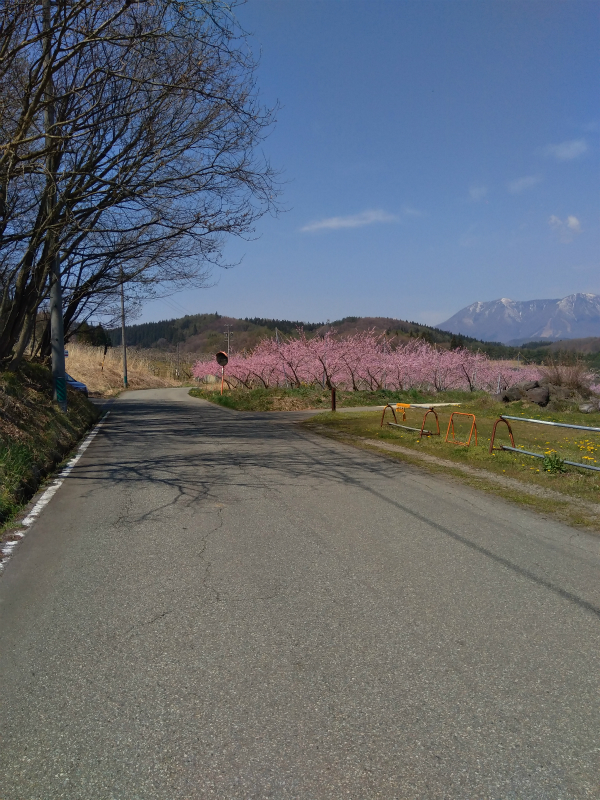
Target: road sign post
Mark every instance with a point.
(222, 359)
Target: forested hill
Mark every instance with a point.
(205, 333)
(200, 333)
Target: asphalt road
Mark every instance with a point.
(224, 605)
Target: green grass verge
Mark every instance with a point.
(309, 397)
(34, 435)
(575, 484)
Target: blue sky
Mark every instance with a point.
(434, 153)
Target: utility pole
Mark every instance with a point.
(124, 343)
(228, 337)
(57, 334)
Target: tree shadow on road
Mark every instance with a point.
(189, 450)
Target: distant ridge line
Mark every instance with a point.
(204, 334)
(513, 322)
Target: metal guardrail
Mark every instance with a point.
(541, 455)
(513, 449)
(556, 424)
(402, 407)
(423, 432)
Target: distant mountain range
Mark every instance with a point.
(480, 326)
(514, 322)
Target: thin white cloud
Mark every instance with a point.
(354, 221)
(408, 211)
(566, 229)
(477, 193)
(522, 184)
(566, 151)
(555, 222)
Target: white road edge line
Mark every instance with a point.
(8, 547)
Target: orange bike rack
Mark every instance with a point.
(512, 438)
(421, 431)
(399, 407)
(437, 422)
(451, 425)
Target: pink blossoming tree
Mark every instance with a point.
(364, 361)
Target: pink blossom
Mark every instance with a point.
(365, 361)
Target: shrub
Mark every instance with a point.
(575, 376)
(553, 462)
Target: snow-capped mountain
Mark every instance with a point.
(516, 321)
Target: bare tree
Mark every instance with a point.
(152, 159)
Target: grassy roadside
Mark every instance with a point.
(34, 435)
(305, 397)
(103, 373)
(572, 496)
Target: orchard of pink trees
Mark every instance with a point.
(364, 362)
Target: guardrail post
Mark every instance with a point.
(389, 405)
(512, 438)
(437, 422)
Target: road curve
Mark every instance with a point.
(223, 605)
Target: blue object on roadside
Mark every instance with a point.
(77, 385)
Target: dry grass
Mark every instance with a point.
(103, 375)
(572, 376)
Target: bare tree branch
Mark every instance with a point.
(152, 158)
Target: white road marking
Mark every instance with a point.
(8, 547)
